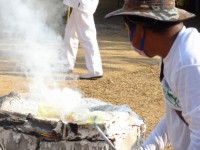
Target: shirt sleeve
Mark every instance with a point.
(158, 139)
(188, 89)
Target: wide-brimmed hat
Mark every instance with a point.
(161, 10)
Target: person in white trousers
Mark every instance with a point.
(81, 28)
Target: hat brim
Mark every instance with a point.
(183, 15)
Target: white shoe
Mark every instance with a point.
(89, 76)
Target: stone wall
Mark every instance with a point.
(11, 140)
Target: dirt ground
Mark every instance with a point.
(128, 78)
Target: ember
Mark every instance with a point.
(107, 127)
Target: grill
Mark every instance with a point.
(26, 131)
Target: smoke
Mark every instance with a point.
(35, 28)
(30, 19)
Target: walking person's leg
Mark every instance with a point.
(86, 31)
(71, 42)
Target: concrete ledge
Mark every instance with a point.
(78, 145)
(10, 140)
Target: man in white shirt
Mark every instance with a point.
(81, 28)
(156, 29)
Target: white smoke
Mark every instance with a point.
(35, 29)
(31, 18)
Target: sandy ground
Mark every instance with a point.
(128, 78)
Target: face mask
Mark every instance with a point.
(142, 53)
(141, 50)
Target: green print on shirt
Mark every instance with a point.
(169, 94)
(170, 97)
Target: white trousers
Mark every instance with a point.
(81, 27)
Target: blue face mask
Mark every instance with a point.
(132, 31)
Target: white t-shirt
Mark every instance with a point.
(88, 6)
(181, 88)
